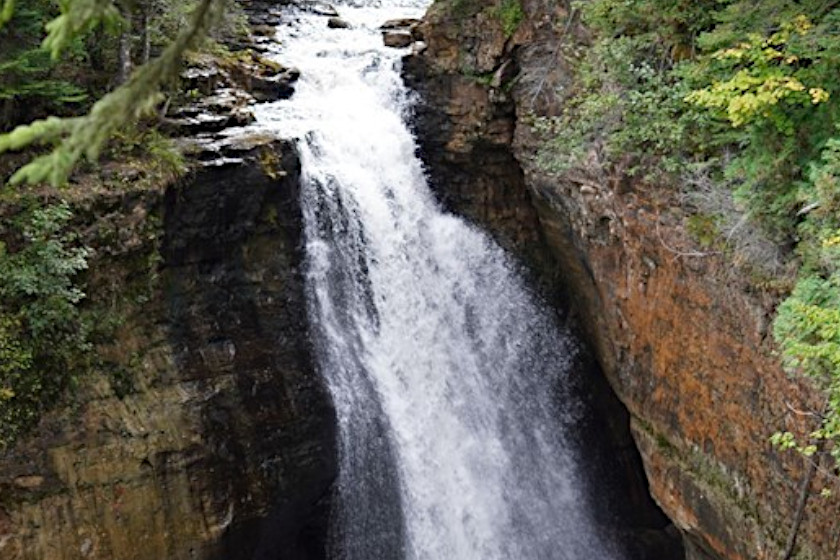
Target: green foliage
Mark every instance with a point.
(510, 15)
(77, 18)
(76, 138)
(749, 93)
(22, 78)
(705, 229)
(30, 82)
(43, 334)
(807, 325)
(778, 89)
(764, 78)
(149, 146)
(7, 10)
(807, 328)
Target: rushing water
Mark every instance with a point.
(447, 376)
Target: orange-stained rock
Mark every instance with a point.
(682, 335)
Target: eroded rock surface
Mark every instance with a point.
(681, 335)
(205, 433)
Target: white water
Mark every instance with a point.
(446, 375)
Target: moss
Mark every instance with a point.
(704, 228)
(510, 14)
(463, 9)
(271, 163)
(718, 486)
(480, 78)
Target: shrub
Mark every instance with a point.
(43, 333)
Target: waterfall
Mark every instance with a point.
(446, 373)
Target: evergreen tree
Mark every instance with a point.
(75, 138)
(29, 86)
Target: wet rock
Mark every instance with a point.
(264, 30)
(228, 107)
(276, 87)
(319, 8)
(200, 123)
(202, 79)
(337, 23)
(263, 44)
(214, 150)
(409, 25)
(265, 16)
(400, 23)
(397, 39)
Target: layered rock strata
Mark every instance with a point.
(205, 431)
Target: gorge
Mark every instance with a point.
(453, 389)
(370, 326)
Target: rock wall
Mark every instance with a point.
(681, 335)
(205, 432)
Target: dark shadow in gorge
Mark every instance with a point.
(234, 288)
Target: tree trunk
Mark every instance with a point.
(147, 39)
(124, 64)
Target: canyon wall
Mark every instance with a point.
(681, 334)
(204, 431)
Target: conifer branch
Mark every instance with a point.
(75, 138)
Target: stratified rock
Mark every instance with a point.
(337, 23)
(397, 39)
(220, 443)
(271, 89)
(219, 149)
(227, 107)
(201, 79)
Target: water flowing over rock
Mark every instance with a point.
(452, 382)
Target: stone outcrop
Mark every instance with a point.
(204, 432)
(221, 92)
(337, 23)
(682, 336)
(397, 39)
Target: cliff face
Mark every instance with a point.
(205, 433)
(681, 335)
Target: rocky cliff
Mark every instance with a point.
(205, 432)
(681, 334)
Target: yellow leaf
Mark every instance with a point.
(818, 95)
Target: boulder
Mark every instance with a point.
(399, 23)
(264, 30)
(273, 88)
(397, 39)
(337, 23)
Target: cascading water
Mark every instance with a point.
(446, 374)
